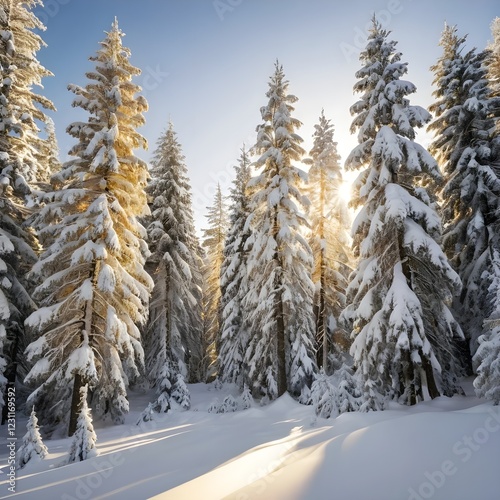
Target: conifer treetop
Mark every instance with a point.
(276, 137)
(20, 106)
(385, 120)
(383, 101)
(115, 108)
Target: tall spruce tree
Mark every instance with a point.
(486, 361)
(281, 353)
(404, 333)
(494, 81)
(94, 290)
(214, 238)
(462, 146)
(174, 332)
(487, 357)
(329, 240)
(21, 169)
(233, 338)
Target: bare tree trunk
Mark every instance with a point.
(76, 403)
(11, 370)
(431, 380)
(321, 336)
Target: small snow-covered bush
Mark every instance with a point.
(347, 394)
(371, 399)
(32, 447)
(324, 396)
(246, 399)
(180, 393)
(147, 414)
(305, 395)
(214, 406)
(217, 384)
(228, 405)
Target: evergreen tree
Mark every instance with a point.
(494, 81)
(32, 447)
(214, 238)
(462, 146)
(486, 360)
(487, 357)
(246, 399)
(16, 258)
(404, 334)
(181, 394)
(323, 396)
(332, 396)
(493, 75)
(21, 168)
(22, 147)
(94, 290)
(233, 331)
(347, 394)
(281, 353)
(228, 405)
(174, 332)
(84, 439)
(329, 240)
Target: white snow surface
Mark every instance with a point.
(446, 449)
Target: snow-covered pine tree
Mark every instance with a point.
(32, 447)
(332, 396)
(329, 240)
(246, 399)
(323, 396)
(21, 167)
(486, 360)
(174, 331)
(462, 146)
(83, 444)
(228, 405)
(94, 290)
(347, 394)
(214, 238)
(493, 66)
(404, 333)
(21, 108)
(16, 258)
(180, 393)
(233, 338)
(281, 352)
(494, 80)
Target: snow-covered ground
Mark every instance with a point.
(445, 449)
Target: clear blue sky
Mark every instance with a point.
(206, 63)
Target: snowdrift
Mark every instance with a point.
(447, 449)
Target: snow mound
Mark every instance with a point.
(446, 449)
